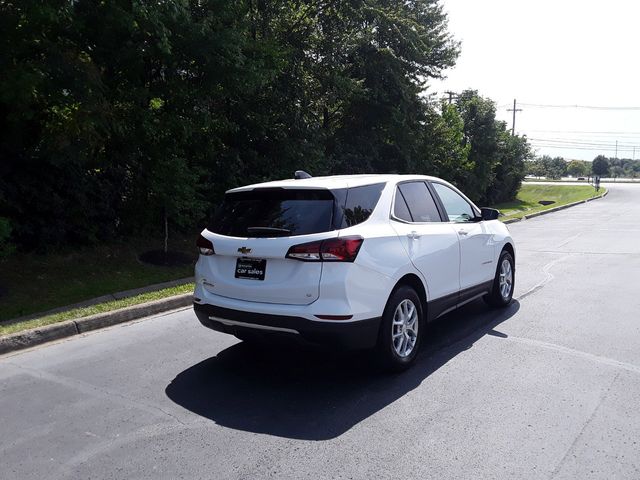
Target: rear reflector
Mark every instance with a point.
(340, 249)
(204, 246)
(334, 317)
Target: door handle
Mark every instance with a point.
(413, 235)
(463, 232)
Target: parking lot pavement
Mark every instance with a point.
(547, 388)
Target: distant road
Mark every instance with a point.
(549, 388)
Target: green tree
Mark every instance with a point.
(386, 51)
(6, 247)
(445, 153)
(600, 166)
(578, 168)
(495, 164)
(53, 186)
(123, 105)
(481, 135)
(617, 171)
(126, 117)
(558, 168)
(553, 168)
(513, 153)
(535, 167)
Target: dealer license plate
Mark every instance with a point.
(251, 268)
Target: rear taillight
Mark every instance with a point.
(342, 249)
(205, 246)
(308, 252)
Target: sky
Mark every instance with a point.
(552, 56)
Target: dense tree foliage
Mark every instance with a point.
(620, 167)
(600, 166)
(121, 116)
(495, 164)
(616, 167)
(579, 168)
(545, 166)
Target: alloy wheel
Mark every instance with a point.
(404, 331)
(506, 278)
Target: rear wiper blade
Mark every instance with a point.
(269, 230)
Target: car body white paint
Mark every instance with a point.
(447, 257)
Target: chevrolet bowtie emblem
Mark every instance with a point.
(244, 250)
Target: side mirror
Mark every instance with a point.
(489, 213)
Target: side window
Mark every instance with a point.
(422, 207)
(400, 209)
(457, 208)
(360, 202)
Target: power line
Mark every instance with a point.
(620, 132)
(609, 147)
(590, 149)
(579, 142)
(589, 107)
(586, 136)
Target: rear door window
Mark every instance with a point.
(274, 213)
(419, 201)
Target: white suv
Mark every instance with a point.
(357, 260)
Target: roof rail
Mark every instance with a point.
(300, 174)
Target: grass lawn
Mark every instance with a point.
(92, 310)
(31, 283)
(529, 195)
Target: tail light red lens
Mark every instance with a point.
(204, 246)
(342, 249)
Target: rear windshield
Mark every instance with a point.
(267, 212)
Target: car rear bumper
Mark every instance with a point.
(358, 334)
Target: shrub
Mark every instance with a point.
(6, 247)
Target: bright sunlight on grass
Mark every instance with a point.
(529, 195)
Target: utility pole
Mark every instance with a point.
(614, 175)
(451, 95)
(514, 110)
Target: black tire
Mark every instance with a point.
(387, 348)
(497, 297)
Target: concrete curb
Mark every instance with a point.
(69, 328)
(555, 209)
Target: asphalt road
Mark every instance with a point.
(549, 388)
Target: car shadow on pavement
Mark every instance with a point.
(315, 395)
